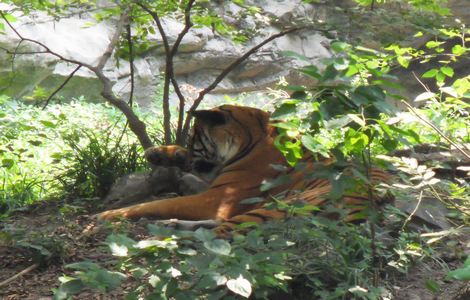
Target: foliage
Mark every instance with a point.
(95, 165)
(461, 273)
(43, 153)
(327, 258)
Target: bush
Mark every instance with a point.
(43, 155)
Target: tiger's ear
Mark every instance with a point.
(210, 117)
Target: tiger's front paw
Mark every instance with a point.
(167, 156)
(113, 214)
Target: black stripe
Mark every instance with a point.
(257, 215)
(232, 222)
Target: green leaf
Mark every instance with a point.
(48, 124)
(340, 64)
(404, 61)
(271, 183)
(424, 96)
(69, 286)
(467, 262)
(448, 71)
(432, 285)
(118, 250)
(458, 50)
(204, 235)
(309, 142)
(433, 44)
(311, 71)
(339, 46)
(357, 119)
(440, 77)
(218, 246)
(283, 110)
(10, 18)
(83, 265)
(460, 274)
(431, 73)
(240, 286)
(8, 163)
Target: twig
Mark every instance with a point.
(47, 49)
(227, 70)
(436, 129)
(182, 101)
(413, 212)
(131, 61)
(61, 86)
(436, 194)
(14, 277)
(8, 51)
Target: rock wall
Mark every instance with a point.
(202, 54)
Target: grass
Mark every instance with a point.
(48, 153)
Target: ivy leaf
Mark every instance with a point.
(69, 286)
(240, 286)
(204, 235)
(218, 246)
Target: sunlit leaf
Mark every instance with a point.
(240, 286)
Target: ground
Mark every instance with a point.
(72, 227)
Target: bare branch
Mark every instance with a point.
(61, 86)
(47, 49)
(123, 20)
(14, 277)
(168, 75)
(135, 124)
(131, 62)
(187, 25)
(8, 51)
(180, 140)
(226, 71)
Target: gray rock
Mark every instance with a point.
(431, 212)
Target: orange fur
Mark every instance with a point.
(239, 142)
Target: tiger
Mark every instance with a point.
(233, 149)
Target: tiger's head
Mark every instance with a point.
(224, 134)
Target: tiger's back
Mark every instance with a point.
(235, 145)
